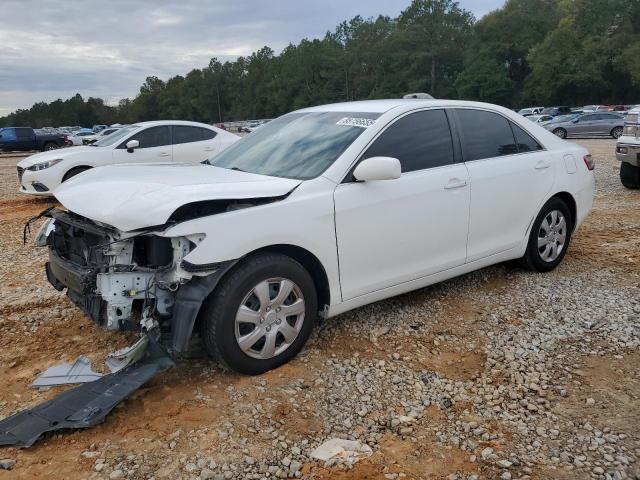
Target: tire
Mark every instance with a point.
(73, 172)
(560, 132)
(49, 146)
(534, 259)
(235, 299)
(616, 132)
(630, 175)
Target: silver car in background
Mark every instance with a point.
(590, 124)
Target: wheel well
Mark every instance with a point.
(568, 199)
(311, 263)
(69, 172)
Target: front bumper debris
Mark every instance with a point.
(120, 279)
(86, 405)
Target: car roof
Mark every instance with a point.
(383, 106)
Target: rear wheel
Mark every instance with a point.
(549, 238)
(261, 314)
(560, 132)
(616, 132)
(73, 172)
(630, 175)
(50, 146)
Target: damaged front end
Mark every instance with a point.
(128, 280)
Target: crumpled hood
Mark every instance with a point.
(53, 154)
(133, 196)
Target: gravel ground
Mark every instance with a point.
(501, 373)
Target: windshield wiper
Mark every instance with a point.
(238, 169)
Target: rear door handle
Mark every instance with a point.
(209, 149)
(455, 183)
(163, 154)
(542, 164)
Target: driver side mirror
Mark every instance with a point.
(378, 168)
(132, 145)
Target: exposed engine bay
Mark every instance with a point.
(128, 281)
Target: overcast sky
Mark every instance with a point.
(53, 49)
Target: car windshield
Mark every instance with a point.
(297, 145)
(115, 136)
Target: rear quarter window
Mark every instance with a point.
(524, 141)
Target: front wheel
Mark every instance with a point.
(261, 314)
(549, 238)
(616, 132)
(560, 132)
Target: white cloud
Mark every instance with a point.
(56, 49)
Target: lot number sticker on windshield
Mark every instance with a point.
(356, 122)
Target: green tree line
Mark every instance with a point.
(529, 52)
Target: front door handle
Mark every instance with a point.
(455, 183)
(209, 149)
(542, 164)
(163, 154)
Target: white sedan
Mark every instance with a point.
(318, 212)
(145, 142)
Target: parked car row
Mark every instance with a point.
(565, 110)
(318, 212)
(586, 124)
(145, 142)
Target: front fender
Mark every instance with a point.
(305, 219)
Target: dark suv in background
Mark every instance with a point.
(25, 138)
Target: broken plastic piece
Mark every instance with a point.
(126, 356)
(78, 372)
(86, 405)
(338, 450)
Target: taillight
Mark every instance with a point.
(588, 161)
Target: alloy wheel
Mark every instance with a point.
(269, 318)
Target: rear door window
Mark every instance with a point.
(524, 141)
(24, 133)
(151, 137)
(419, 140)
(485, 134)
(189, 134)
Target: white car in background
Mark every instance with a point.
(89, 139)
(146, 142)
(318, 212)
(76, 138)
(525, 112)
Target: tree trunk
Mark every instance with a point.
(433, 77)
(219, 109)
